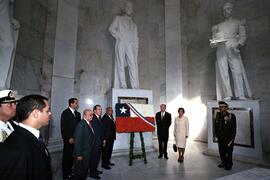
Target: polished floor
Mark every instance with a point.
(195, 167)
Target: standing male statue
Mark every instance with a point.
(124, 30)
(228, 36)
(9, 29)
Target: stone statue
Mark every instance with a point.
(124, 30)
(9, 28)
(228, 36)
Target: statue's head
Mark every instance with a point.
(128, 8)
(227, 9)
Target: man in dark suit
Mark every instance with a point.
(225, 132)
(28, 157)
(163, 121)
(69, 120)
(84, 138)
(98, 128)
(109, 136)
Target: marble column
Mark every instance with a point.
(63, 66)
(174, 62)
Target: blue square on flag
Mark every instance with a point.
(122, 110)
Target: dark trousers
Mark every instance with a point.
(162, 146)
(95, 159)
(67, 160)
(107, 152)
(225, 153)
(81, 169)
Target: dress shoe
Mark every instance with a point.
(106, 167)
(221, 166)
(160, 156)
(111, 164)
(95, 176)
(99, 172)
(68, 177)
(166, 157)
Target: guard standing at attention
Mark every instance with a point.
(225, 131)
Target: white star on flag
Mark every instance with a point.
(123, 110)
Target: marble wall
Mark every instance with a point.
(32, 16)
(197, 18)
(95, 49)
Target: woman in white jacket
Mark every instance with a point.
(181, 131)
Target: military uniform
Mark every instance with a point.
(225, 131)
(5, 130)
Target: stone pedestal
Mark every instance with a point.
(121, 145)
(248, 133)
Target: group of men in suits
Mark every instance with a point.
(23, 153)
(86, 140)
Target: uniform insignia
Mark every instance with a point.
(4, 136)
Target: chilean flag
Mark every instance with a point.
(134, 118)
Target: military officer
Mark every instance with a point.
(7, 111)
(225, 131)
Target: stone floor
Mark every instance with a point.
(196, 166)
(251, 174)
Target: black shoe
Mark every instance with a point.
(221, 166)
(160, 156)
(111, 164)
(106, 167)
(95, 176)
(166, 157)
(68, 177)
(99, 172)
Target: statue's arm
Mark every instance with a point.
(114, 28)
(136, 38)
(214, 31)
(242, 33)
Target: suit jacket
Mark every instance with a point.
(69, 123)
(84, 140)
(163, 125)
(98, 128)
(24, 157)
(109, 128)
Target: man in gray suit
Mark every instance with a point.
(84, 139)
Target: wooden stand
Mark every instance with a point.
(133, 156)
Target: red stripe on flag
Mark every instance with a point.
(133, 124)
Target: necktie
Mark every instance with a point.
(91, 128)
(9, 127)
(41, 142)
(162, 115)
